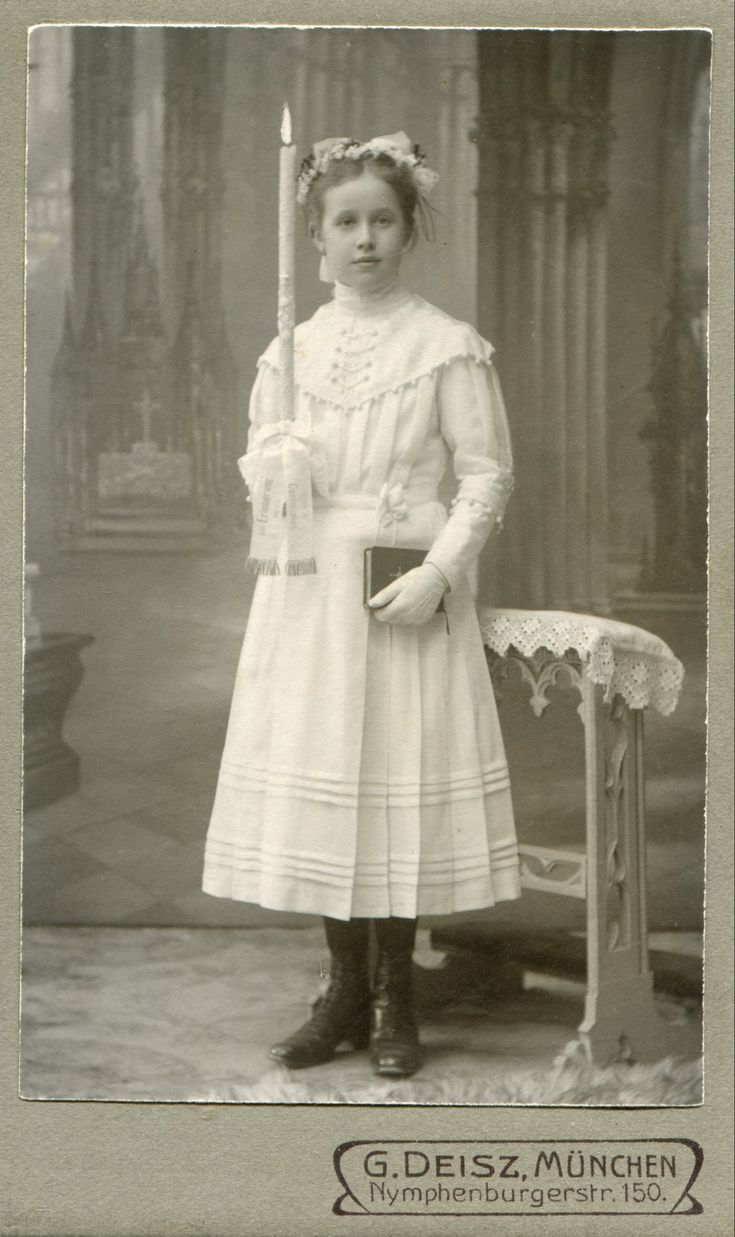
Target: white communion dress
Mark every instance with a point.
(364, 773)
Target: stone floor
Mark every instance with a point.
(188, 1014)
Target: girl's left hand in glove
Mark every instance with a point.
(412, 598)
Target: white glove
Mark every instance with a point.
(412, 598)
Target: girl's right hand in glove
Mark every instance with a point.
(412, 599)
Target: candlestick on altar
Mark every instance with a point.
(286, 263)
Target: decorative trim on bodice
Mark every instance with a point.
(355, 349)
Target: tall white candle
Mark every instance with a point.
(286, 262)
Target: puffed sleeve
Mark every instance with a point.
(264, 399)
(262, 409)
(474, 425)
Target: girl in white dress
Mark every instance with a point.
(364, 776)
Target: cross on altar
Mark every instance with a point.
(146, 406)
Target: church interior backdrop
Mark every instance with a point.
(571, 227)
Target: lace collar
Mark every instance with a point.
(389, 349)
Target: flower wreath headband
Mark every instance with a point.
(397, 146)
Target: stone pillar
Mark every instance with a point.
(64, 405)
(95, 415)
(675, 562)
(454, 153)
(192, 197)
(103, 175)
(676, 435)
(542, 135)
(554, 432)
(597, 196)
(192, 180)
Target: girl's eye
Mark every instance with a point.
(345, 222)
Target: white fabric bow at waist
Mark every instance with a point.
(392, 505)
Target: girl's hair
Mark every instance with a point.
(399, 176)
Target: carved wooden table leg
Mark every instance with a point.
(621, 1019)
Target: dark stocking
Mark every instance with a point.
(396, 936)
(394, 1042)
(347, 937)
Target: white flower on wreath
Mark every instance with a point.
(397, 146)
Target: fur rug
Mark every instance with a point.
(669, 1082)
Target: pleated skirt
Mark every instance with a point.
(363, 771)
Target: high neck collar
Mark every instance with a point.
(357, 301)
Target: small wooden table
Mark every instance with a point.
(617, 670)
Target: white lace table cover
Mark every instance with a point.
(625, 660)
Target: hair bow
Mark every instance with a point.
(392, 141)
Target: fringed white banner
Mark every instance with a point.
(278, 472)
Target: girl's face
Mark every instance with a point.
(362, 232)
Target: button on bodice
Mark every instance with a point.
(354, 354)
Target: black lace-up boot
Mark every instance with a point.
(395, 1050)
(343, 1012)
